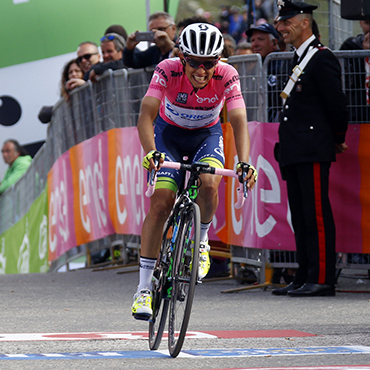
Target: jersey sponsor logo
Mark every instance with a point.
(156, 87)
(212, 100)
(162, 72)
(235, 86)
(176, 74)
(182, 98)
(190, 118)
(217, 77)
(187, 116)
(159, 80)
(231, 81)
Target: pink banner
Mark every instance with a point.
(265, 220)
(61, 223)
(97, 189)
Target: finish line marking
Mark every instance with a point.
(136, 335)
(210, 353)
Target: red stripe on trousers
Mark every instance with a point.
(320, 222)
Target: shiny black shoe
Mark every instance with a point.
(286, 289)
(313, 290)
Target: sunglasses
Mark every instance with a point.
(110, 38)
(85, 56)
(209, 64)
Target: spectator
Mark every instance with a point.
(87, 56)
(117, 28)
(181, 25)
(229, 46)
(186, 21)
(243, 48)
(312, 129)
(264, 39)
(235, 23)
(225, 13)
(255, 12)
(164, 28)
(111, 45)
(71, 72)
(18, 160)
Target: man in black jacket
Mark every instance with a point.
(164, 28)
(111, 45)
(312, 129)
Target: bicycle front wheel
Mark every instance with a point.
(184, 277)
(160, 288)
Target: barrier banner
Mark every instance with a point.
(127, 178)
(97, 188)
(61, 224)
(264, 221)
(24, 246)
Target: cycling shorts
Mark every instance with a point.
(186, 146)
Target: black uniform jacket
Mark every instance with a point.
(314, 116)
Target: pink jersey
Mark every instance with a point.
(181, 106)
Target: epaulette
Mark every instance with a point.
(322, 47)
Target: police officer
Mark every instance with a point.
(312, 129)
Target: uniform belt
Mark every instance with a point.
(297, 71)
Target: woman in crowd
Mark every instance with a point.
(71, 73)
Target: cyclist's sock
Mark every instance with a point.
(204, 231)
(146, 273)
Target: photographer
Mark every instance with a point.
(163, 28)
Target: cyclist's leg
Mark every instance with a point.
(210, 151)
(161, 203)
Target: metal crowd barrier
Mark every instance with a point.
(114, 101)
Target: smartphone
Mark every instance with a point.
(144, 36)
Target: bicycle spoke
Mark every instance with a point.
(184, 278)
(159, 289)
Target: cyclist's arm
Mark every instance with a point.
(148, 112)
(238, 120)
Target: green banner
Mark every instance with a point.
(38, 29)
(24, 246)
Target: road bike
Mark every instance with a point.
(176, 271)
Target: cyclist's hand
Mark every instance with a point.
(251, 172)
(150, 158)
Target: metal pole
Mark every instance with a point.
(147, 7)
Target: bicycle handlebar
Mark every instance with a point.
(241, 190)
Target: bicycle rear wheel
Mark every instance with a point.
(160, 301)
(184, 277)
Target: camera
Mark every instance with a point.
(144, 36)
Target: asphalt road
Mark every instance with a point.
(99, 301)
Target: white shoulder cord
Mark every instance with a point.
(297, 71)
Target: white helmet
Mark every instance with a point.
(201, 40)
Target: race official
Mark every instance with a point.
(312, 129)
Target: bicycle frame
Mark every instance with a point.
(176, 272)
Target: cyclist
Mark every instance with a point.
(188, 92)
